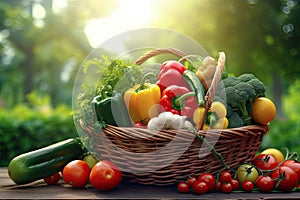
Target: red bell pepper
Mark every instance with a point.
(178, 100)
(170, 73)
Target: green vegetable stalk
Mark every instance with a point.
(241, 92)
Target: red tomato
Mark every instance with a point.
(288, 178)
(235, 184)
(264, 183)
(53, 179)
(265, 162)
(183, 187)
(225, 177)
(105, 175)
(247, 186)
(191, 180)
(209, 179)
(226, 187)
(218, 186)
(76, 173)
(294, 165)
(200, 187)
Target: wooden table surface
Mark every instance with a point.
(39, 190)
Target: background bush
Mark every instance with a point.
(34, 125)
(285, 131)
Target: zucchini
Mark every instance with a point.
(195, 85)
(44, 162)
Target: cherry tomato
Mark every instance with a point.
(247, 186)
(265, 162)
(218, 186)
(53, 179)
(209, 179)
(200, 187)
(226, 187)
(264, 183)
(263, 110)
(235, 184)
(294, 165)
(225, 177)
(76, 173)
(274, 152)
(105, 175)
(288, 178)
(191, 180)
(183, 187)
(246, 172)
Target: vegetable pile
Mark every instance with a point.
(174, 98)
(269, 171)
(178, 89)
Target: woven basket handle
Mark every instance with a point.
(211, 92)
(158, 51)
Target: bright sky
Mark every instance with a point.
(129, 15)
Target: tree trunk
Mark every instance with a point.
(28, 72)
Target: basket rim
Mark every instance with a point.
(152, 135)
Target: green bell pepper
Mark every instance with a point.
(112, 110)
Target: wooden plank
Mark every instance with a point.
(38, 189)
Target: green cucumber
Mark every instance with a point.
(195, 85)
(44, 162)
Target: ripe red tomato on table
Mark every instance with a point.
(76, 173)
(293, 165)
(200, 187)
(105, 175)
(288, 178)
(226, 187)
(191, 180)
(209, 179)
(264, 183)
(225, 176)
(265, 162)
(235, 184)
(247, 186)
(53, 179)
(183, 187)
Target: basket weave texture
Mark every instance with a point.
(186, 155)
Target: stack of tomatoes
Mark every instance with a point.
(206, 182)
(102, 175)
(268, 171)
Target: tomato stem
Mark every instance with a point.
(216, 154)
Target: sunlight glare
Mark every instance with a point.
(59, 5)
(129, 15)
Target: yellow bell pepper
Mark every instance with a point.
(142, 101)
(217, 111)
(222, 123)
(198, 116)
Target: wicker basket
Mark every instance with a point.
(138, 152)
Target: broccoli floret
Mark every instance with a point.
(234, 120)
(258, 86)
(238, 93)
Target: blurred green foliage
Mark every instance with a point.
(36, 124)
(285, 131)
